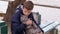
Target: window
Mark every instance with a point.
(3, 6)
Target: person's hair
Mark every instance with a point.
(28, 5)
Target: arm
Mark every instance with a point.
(16, 23)
(17, 26)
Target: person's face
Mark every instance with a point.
(26, 11)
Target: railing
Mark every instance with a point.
(3, 28)
(49, 26)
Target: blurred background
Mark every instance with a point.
(48, 9)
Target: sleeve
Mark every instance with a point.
(18, 27)
(16, 23)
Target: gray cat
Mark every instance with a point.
(31, 29)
